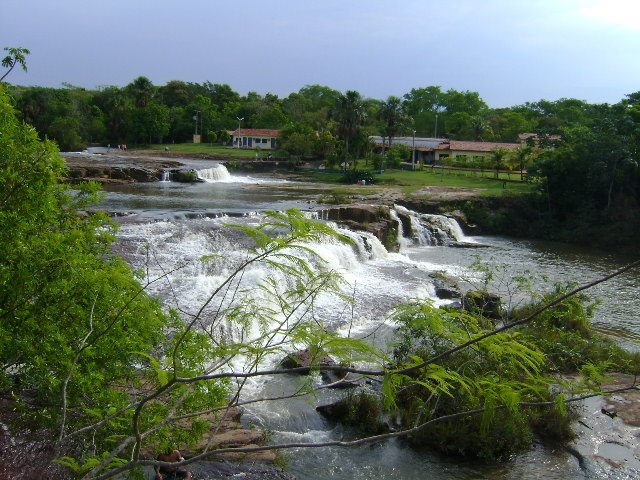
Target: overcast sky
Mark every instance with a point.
(510, 51)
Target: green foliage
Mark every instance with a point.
(564, 332)
(494, 375)
(16, 56)
(397, 154)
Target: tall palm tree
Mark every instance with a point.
(17, 56)
(393, 114)
(350, 114)
(142, 91)
(498, 159)
(523, 156)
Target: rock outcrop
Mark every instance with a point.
(375, 219)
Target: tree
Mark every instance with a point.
(117, 107)
(149, 123)
(141, 90)
(522, 157)
(349, 114)
(59, 282)
(498, 159)
(394, 118)
(17, 56)
(298, 143)
(65, 131)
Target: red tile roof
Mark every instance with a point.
(256, 132)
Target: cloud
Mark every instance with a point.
(623, 14)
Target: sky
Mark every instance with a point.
(509, 51)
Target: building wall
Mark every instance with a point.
(456, 153)
(256, 142)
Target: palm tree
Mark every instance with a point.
(17, 56)
(350, 114)
(142, 91)
(498, 159)
(522, 157)
(393, 115)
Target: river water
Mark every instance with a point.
(179, 223)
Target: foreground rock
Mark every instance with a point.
(227, 432)
(607, 445)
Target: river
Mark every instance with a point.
(183, 222)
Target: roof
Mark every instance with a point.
(423, 144)
(461, 145)
(256, 132)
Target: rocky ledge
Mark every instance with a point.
(227, 432)
(375, 219)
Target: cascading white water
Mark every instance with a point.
(166, 176)
(402, 241)
(430, 229)
(219, 173)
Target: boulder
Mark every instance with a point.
(446, 288)
(375, 219)
(362, 411)
(304, 359)
(485, 303)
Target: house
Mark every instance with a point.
(255, 138)
(457, 148)
(425, 147)
(430, 150)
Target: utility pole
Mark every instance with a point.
(413, 152)
(239, 121)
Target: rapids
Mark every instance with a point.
(166, 226)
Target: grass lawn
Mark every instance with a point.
(410, 182)
(206, 149)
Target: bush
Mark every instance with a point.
(357, 176)
(493, 376)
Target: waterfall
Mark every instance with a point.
(403, 242)
(219, 173)
(166, 176)
(425, 229)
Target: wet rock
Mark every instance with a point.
(375, 219)
(336, 411)
(607, 443)
(227, 432)
(304, 359)
(486, 303)
(361, 411)
(446, 287)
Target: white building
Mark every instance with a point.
(255, 138)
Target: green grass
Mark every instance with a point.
(410, 181)
(206, 149)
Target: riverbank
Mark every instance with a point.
(511, 211)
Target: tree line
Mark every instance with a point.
(143, 113)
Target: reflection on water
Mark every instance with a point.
(551, 262)
(165, 199)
